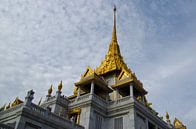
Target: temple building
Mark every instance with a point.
(107, 97)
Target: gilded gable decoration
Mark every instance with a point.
(178, 124)
(89, 71)
(124, 74)
(16, 102)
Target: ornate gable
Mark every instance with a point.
(88, 71)
(16, 102)
(124, 74)
(178, 124)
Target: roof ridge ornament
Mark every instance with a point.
(50, 90)
(60, 86)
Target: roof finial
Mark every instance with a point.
(50, 90)
(167, 118)
(114, 37)
(60, 86)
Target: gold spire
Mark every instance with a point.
(113, 59)
(114, 37)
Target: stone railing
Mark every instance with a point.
(123, 100)
(99, 100)
(81, 98)
(49, 115)
(38, 109)
(51, 98)
(89, 97)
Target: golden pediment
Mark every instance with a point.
(89, 71)
(16, 102)
(124, 74)
(75, 110)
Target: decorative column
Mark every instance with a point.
(146, 123)
(78, 96)
(78, 118)
(58, 92)
(29, 98)
(131, 90)
(92, 87)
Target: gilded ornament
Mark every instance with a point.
(89, 71)
(167, 117)
(139, 98)
(178, 124)
(60, 86)
(50, 90)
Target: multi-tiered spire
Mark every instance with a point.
(113, 60)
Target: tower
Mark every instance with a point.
(111, 96)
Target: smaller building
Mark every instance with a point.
(27, 115)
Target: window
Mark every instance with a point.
(151, 126)
(74, 115)
(118, 123)
(74, 118)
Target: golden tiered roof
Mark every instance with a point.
(113, 60)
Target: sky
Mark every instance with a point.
(45, 41)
